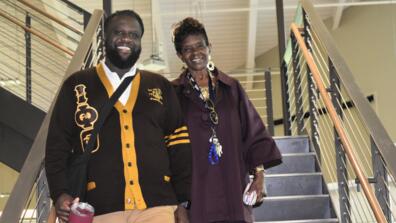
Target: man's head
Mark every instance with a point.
(123, 34)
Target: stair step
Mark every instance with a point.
(293, 184)
(295, 163)
(328, 220)
(295, 144)
(294, 208)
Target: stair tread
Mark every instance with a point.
(296, 197)
(270, 175)
(297, 186)
(328, 220)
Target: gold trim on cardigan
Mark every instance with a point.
(133, 194)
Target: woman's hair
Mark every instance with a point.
(186, 27)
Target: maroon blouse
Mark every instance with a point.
(217, 189)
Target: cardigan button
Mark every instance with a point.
(128, 200)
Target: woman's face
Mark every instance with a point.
(195, 52)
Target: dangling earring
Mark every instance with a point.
(184, 66)
(210, 65)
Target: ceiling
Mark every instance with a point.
(239, 30)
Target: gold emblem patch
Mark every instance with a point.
(85, 117)
(155, 95)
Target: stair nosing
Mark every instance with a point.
(270, 175)
(300, 221)
(290, 137)
(299, 154)
(296, 197)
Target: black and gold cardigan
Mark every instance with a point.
(142, 157)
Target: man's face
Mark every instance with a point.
(123, 42)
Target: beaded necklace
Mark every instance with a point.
(215, 148)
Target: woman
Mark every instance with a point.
(228, 137)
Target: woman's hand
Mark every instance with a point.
(258, 186)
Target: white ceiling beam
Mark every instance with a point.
(338, 14)
(272, 8)
(251, 43)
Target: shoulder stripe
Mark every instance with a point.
(183, 128)
(181, 141)
(183, 134)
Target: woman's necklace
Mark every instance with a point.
(215, 148)
(205, 92)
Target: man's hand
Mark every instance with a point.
(258, 186)
(62, 206)
(181, 215)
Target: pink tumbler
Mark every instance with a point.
(81, 213)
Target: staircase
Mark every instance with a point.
(296, 192)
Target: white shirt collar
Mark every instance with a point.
(111, 74)
(115, 81)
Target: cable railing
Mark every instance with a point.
(29, 200)
(353, 149)
(37, 45)
(257, 84)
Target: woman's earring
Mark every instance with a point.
(210, 65)
(184, 66)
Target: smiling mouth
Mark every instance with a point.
(123, 49)
(197, 60)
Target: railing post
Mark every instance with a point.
(342, 172)
(297, 86)
(285, 99)
(43, 198)
(313, 112)
(283, 66)
(86, 18)
(107, 7)
(268, 101)
(381, 180)
(28, 67)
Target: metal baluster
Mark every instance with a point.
(313, 112)
(43, 196)
(28, 67)
(381, 180)
(268, 101)
(297, 86)
(342, 172)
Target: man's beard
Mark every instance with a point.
(116, 59)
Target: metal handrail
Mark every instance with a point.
(51, 17)
(379, 215)
(376, 129)
(33, 163)
(36, 33)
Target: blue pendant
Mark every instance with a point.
(213, 157)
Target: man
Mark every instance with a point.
(140, 167)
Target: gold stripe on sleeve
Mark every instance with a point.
(184, 134)
(181, 141)
(183, 128)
